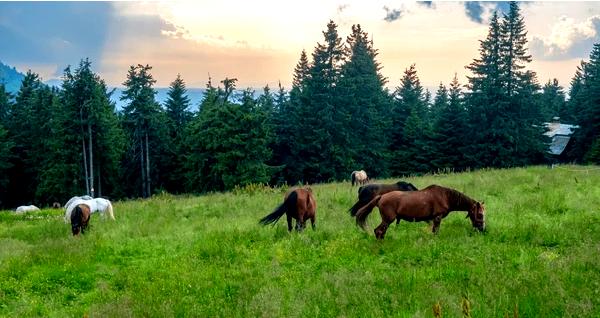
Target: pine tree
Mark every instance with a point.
(228, 142)
(145, 122)
(440, 102)
(411, 145)
(321, 139)
(88, 119)
(5, 104)
(177, 107)
(23, 130)
(281, 144)
(521, 90)
(178, 117)
(301, 72)
(6, 146)
(585, 104)
(552, 101)
(364, 104)
(503, 98)
(486, 103)
(449, 131)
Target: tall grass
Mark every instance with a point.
(207, 256)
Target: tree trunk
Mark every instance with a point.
(147, 167)
(85, 166)
(99, 182)
(142, 167)
(91, 158)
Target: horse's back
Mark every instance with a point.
(26, 208)
(409, 204)
(306, 203)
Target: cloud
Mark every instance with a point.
(57, 33)
(476, 10)
(427, 4)
(392, 14)
(342, 7)
(567, 40)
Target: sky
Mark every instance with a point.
(259, 42)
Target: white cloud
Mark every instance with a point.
(567, 39)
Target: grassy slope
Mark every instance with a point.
(206, 256)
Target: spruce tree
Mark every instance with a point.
(6, 146)
(521, 90)
(552, 101)
(23, 131)
(365, 105)
(145, 122)
(178, 117)
(320, 135)
(228, 142)
(486, 103)
(88, 119)
(586, 103)
(449, 131)
(440, 101)
(411, 138)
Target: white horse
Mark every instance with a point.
(96, 205)
(83, 197)
(359, 177)
(26, 208)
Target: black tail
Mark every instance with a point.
(365, 194)
(288, 204)
(353, 178)
(361, 215)
(359, 204)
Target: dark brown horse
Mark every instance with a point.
(368, 192)
(432, 203)
(80, 218)
(298, 204)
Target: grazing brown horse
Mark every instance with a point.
(299, 204)
(432, 203)
(80, 218)
(368, 192)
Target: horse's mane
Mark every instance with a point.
(458, 198)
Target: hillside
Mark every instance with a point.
(207, 256)
(10, 77)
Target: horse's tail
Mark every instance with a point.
(110, 211)
(280, 210)
(363, 213)
(353, 176)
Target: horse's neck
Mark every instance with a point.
(460, 202)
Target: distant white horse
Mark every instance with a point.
(26, 208)
(359, 177)
(96, 205)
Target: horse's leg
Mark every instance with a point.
(289, 221)
(436, 224)
(381, 229)
(300, 223)
(312, 222)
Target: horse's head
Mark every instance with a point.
(477, 215)
(79, 219)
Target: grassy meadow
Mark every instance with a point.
(206, 256)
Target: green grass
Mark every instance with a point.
(207, 256)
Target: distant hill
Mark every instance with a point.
(10, 77)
